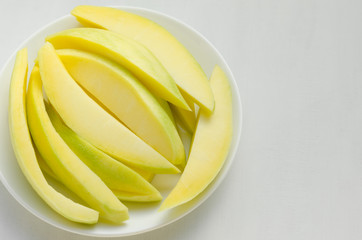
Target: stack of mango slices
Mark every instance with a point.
(102, 115)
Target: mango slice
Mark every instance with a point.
(121, 195)
(148, 176)
(44, 166)
(177, 60)
(73, 173)
(125, 51)
(186, 118)
(118, 177)
(123, 95)
(210, 145)
(90, 121)
(24, 150)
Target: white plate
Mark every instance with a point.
(143, 217)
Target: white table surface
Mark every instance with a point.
(298, 171)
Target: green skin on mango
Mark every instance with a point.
(93, 123)
(177, 60)
(128, 53)
(73, 173)
(125, 183)
(127, 99)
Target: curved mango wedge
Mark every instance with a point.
(176, 59)
(121, 195)
(123, 95)
(210, 145)
(24, 150)
(186, 118)
(44, 166)
(90, 121)
(125, 51)
(148, 176)
(74, 174)
(117, 176)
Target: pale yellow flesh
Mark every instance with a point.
(131, 197)
(177, 60)
(122, 94)
(210, 145)
(148, 176)
(145, 174)
(24, 150)
(121, 195)
(44, 166)
(117, 176)
(73, 173)
(90, 121)
(186, 118)
(125, 51)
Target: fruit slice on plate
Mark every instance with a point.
(123, 95)
(148, 176)
(125, 51)
(118, 177)
(121, 195)
(90, 121)
(73, 173)
(25, 154)
(210, 145)
(177, 60)
(145, 174)
(186, 118)
(44, 166)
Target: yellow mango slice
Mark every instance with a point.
(25, 154)
(122, 94)
(125, 51)
(90, 121)
(210, 145)
(148, 176)
(73, 173)
(121, 195)
(44, 166)
(117, 176)
(177, 60)
(186, 118)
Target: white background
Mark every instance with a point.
(298, 171)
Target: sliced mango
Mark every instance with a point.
(44, 166)
(127, 52)
(210, 145)
(117, 176)
(121, 195)
(122, 94)
(186, 118)
(148, 176)
(177, 60)
(90, 121)
(24, 150)
(73, 173)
